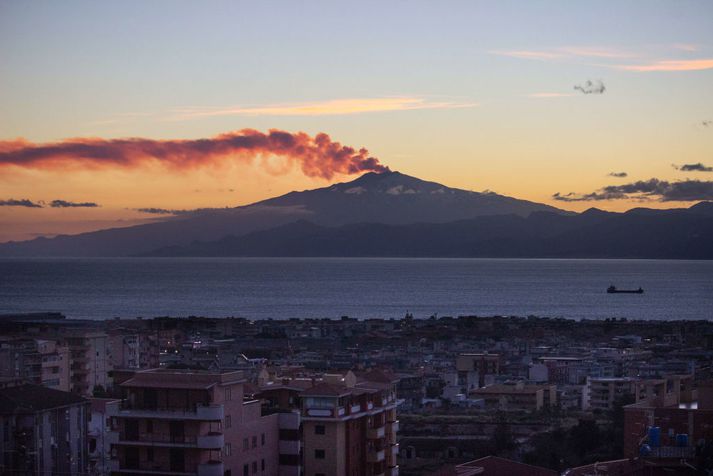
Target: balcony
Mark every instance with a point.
(376, 433)
(211, 468)
(289, 447)
(326, 412)
(393, 471)
(199, 412)
(355, 408)
(677, 452)
(209, 441)
(376, 456)
(394, 450)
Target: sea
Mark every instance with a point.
(283, 288)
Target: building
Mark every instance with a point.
(473, 367)
(44, 431)
(99, 436)
(517, 396)
(90, 362)
(671, 428)
(173, 422)
(39, 361)
(129, 349)
(603, 393)
(349, 422)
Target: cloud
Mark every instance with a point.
(686, 47)
(66, 204)
(699, 167)
(317, 156)
(652, 189)
(23, 202)
(160, 211)
(706, 123)
(618, 174)
(589, 197)
(333, 107)
(670, 65)
(591, 87)
(613, 58)
(566, 52)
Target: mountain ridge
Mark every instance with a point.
(388, 197)
(680, 234)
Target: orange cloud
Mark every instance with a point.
(327, 108)
(317, 156)
(670, 65)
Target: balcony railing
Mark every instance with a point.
(211, 468)
(212, 440)
(376, 433)
(677, 452)
(205, 412)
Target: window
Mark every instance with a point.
(228, 450)
(246, 444)
(319, 430)
(228, 395)
(319, 474)
(262, 465)
(246, 470)
(254, 467)
(318, 454)
(228, 421)
(254, 441)
(149, 426)
(262, 439)
(149, 454)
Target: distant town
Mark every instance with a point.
(442, 396)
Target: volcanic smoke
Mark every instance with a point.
(317, 156)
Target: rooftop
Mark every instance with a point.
(32, 398)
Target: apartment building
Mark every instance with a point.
(42, 431)
(349, 422)
(472, 368)
(133, 350)
(38, 361)
(670, 429)
(90, 362)
(517, 396)
(603, 393)
(174, 422)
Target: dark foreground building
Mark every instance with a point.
(42, 431)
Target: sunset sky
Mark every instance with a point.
(527, 99)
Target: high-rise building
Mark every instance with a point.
(349, 423)
(43, 431)
(174, 422)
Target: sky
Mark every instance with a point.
(111, 112)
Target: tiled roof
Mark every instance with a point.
(496, 466)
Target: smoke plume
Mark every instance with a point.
(317, 156)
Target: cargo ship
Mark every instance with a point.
(613, 290)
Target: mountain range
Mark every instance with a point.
(393, 214)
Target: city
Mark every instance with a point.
(372, 238)
(444, 395)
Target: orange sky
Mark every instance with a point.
(486, 96)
